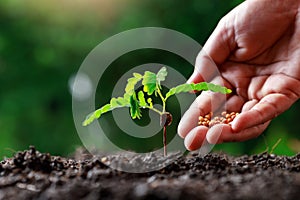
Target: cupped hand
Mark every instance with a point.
(256, 48)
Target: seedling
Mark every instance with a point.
(135, 100)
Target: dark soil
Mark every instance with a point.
(34, 175)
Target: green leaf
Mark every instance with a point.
(118, 102)
(212, 87)
(149, 100)
(114, 103)
(178, 89)
(131, 82)
(96, 114)
(135, 110)
(137, 75)
(149, 82)
(161, 75)
(127, 97)
(142, 101)
(203, 86)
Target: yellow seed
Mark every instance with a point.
(224, 118)
(104, 159)
(211, 124)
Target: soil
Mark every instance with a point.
(34, 175)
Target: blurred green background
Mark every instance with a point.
(43, 43)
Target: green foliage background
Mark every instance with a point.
(42, 44)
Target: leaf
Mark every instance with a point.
(203, 86)
(149, 82)
(178, 89)
(142, 101)
(149, 100)
(137, 75)
(127, 97)
(161, 75)
(135, 110)
(131, 82)
(212, 87)
(96, 114)
(118, 102)
(114, 103)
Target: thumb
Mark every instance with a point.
(215, 51)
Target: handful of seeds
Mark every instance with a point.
(209, 120)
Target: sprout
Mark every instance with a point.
(135, 100)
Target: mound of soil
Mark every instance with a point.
(34, 175)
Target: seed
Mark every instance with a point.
(224, 118)
(212, 123)
(104, 159)
(166, 119)
(207, 117)
(205, 123)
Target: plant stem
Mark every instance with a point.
(163, 100)
(275, 145)
(155, 110)
(165, 141)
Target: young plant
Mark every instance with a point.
(151, 82)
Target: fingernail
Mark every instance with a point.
(214, 134)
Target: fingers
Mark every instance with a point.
(190, 119)
(253, 120)
(195, 138)
(205, 69)
(261, 111)
(234, 104)
(205, 103)
(220, 133)
(216, 133)
(214, 53)
(224, 133)
(216, 50)
(221, 42)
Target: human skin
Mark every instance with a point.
(256, 48)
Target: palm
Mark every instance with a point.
(263, 94)
(265, 75)
(258, 58)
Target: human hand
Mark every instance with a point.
(257, 50)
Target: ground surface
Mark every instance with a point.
(34, 175)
